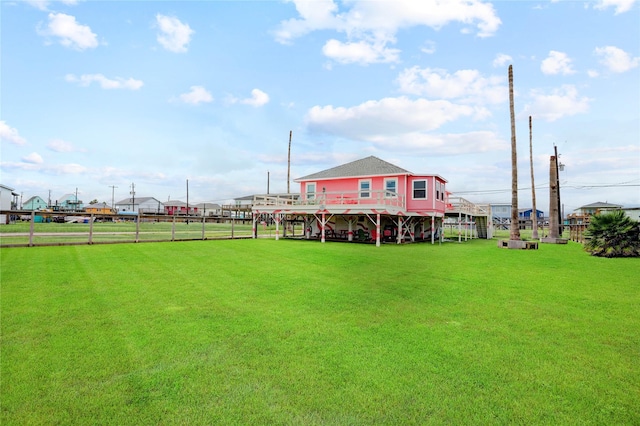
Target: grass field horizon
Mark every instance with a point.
(299, 332)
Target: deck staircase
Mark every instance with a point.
(481, 226)
(480, 213)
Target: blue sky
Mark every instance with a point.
(97, 94)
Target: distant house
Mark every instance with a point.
(98, 208)
(527, 213)
(209, 209)
(175, 207)
(68, 203)
(596, 208)
(632, 212)
(367, 199)
(7, 202)
(246, 201)
(34, 203)
(578, 221)
(140, 205)
(241, 208)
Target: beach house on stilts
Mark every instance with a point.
(367, 200)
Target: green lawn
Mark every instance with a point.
(299, 332)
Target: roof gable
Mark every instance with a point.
(369, 166)
(138, 200)
(601, 205)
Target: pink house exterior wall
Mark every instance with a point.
(404, 187)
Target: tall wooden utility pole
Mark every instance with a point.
(113, 190)
(560, 224)
(534, 223)
(554, 225)
(133, 197)
(514, 230)
(187, 201)
(289, 162)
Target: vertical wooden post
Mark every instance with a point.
(254, 227)
(91, 229)
(138, 227)
(289, 161)
(378, 230)
(31, 227)
(173, 228)
(433, 229)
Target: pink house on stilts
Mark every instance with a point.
(367, 200)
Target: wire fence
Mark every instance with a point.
(26, 228)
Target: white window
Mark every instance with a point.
(390, 187)
(419, 189)
(442, 191)
(311, 190)
(365, 187)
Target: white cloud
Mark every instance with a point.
(174, 35)
(620, 6)
(106, 83)
(197, 95)
(316, 15)
(559, 103)
(370, 25)
(56, 169)
(33, 158)
(443, 144)
(44, 4)
(501, 60)
(258, 98)
(556, 63)
(59, 145)
(361, 52)
(388, 117)
(466, 85)
(616, 59)
(428, 47)
(70, 33)
(10, 134)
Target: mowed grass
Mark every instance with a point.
(297, 332)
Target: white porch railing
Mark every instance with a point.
(330, 199)
(461, 205)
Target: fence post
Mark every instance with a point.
(31, 227)
(173, 228)
(138, 227)
(203, 221)
(91, 229)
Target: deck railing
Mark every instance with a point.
(328, 199)
(461, 205)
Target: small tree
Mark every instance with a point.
(613, 235)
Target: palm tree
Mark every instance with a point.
(514, 230)
(613, 235)
(534, 225)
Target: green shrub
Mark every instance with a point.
(613, 235)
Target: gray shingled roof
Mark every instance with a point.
(138, 200)
(600, 204)
(370, 166)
